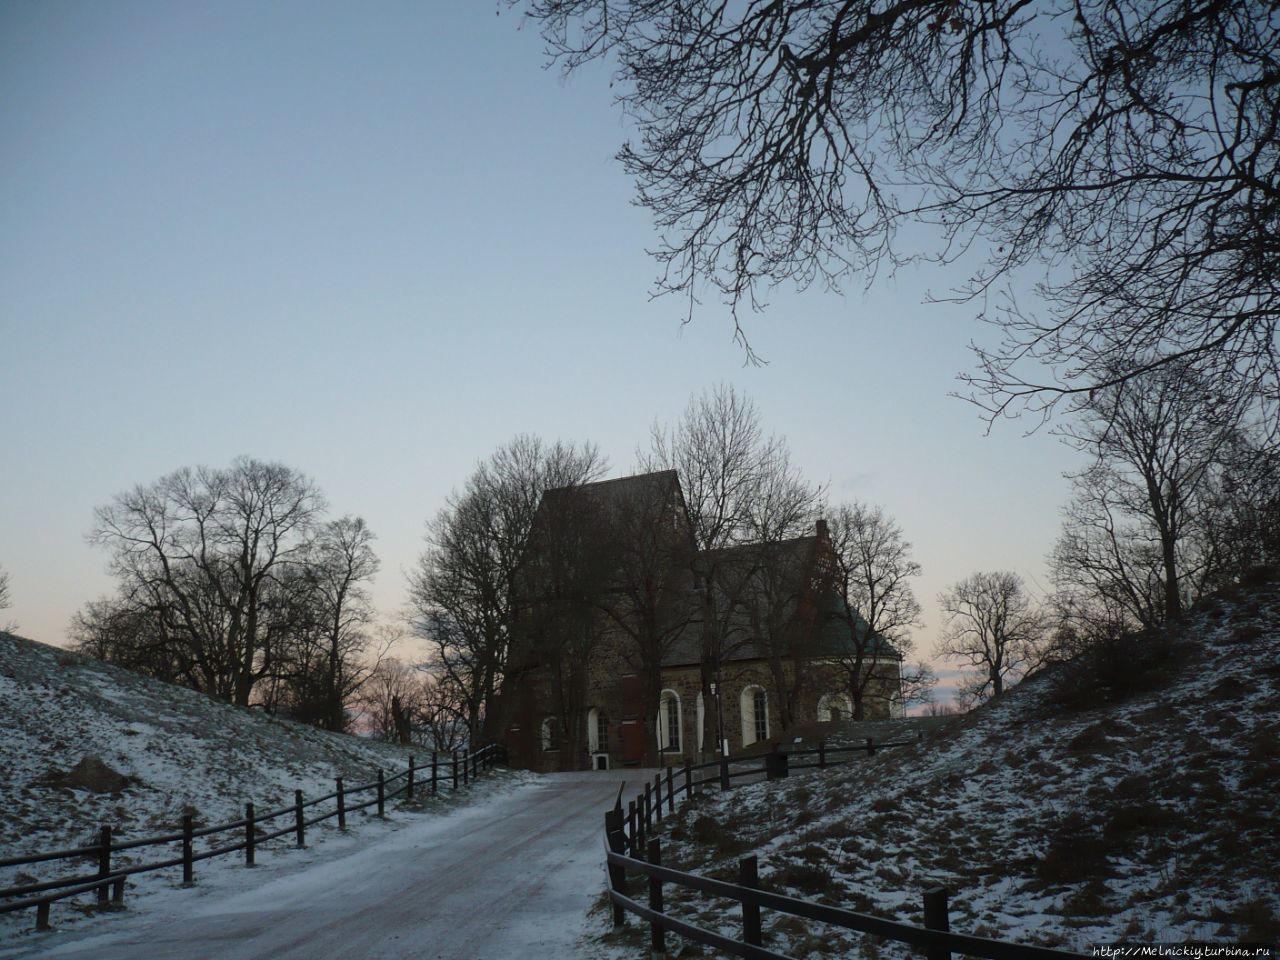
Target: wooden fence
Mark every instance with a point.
(632, 849)
(107, 881)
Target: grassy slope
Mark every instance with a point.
(1065, 814)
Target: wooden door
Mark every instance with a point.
(633, 742)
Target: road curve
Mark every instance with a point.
(512, 877)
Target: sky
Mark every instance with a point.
(376, 241)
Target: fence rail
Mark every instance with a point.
(108, 880)
(631, 849)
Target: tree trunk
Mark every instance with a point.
(1172, 595)
(400, 718)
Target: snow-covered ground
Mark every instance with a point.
(510, 875)
(180, 752)
(1063, 815)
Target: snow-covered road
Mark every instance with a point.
(510, 877)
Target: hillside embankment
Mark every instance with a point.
(1132, 796)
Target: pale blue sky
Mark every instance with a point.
(374, 241)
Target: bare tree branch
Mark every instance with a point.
(1126, 151)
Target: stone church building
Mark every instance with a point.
(631, 647)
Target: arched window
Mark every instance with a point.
(702, 721)
(754, 705)
(835, 706)
(597, 731)
(551, 734)
(669, 721)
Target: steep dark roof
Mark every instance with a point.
(782, 570)
(793, 562)
(789, 561)
(647, 493)
(831, 635)
(619, 490)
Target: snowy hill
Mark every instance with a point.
(85, 744)
(1090, 805)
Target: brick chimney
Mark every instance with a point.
(821, 526)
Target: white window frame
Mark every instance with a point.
(593, 730)
(841, 701)
(702, 720)
(747, 707)
(666, 701)
(546, 735)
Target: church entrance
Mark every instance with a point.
(633, 742)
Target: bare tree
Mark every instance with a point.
(1092, 630)
(647, 596)
(873, 570)
(4, 589)
(394, 694)
(1129, 145)
(1105, 561)
(324, 661)
(570, 559)
(213, 556)
(1159, 443)
(439, 722)
(1240, 520)
(461, 596)
(135, 636)
(740, 488)
(990, 623)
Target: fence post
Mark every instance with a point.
(188, 864)
(724, 773)
(104, 862)
(648, 805)
(871, 748)
(409, 791)
(382, 794)
(749, 876)
(117, 891)
(822, 752)
(42, 915)
(435, 767)
(299, 826)
(455, 770)
(465, 758)
(671, 793)
(776, 765)
(617, 876)
(642, 830)
(342, 806)
(631, 828)
(688, 779)
(250, 836)
(657, 796)
(935, 918)
(657, 936)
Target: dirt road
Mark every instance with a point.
(508, 878)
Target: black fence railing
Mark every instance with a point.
(631, 849)
(107, 879)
